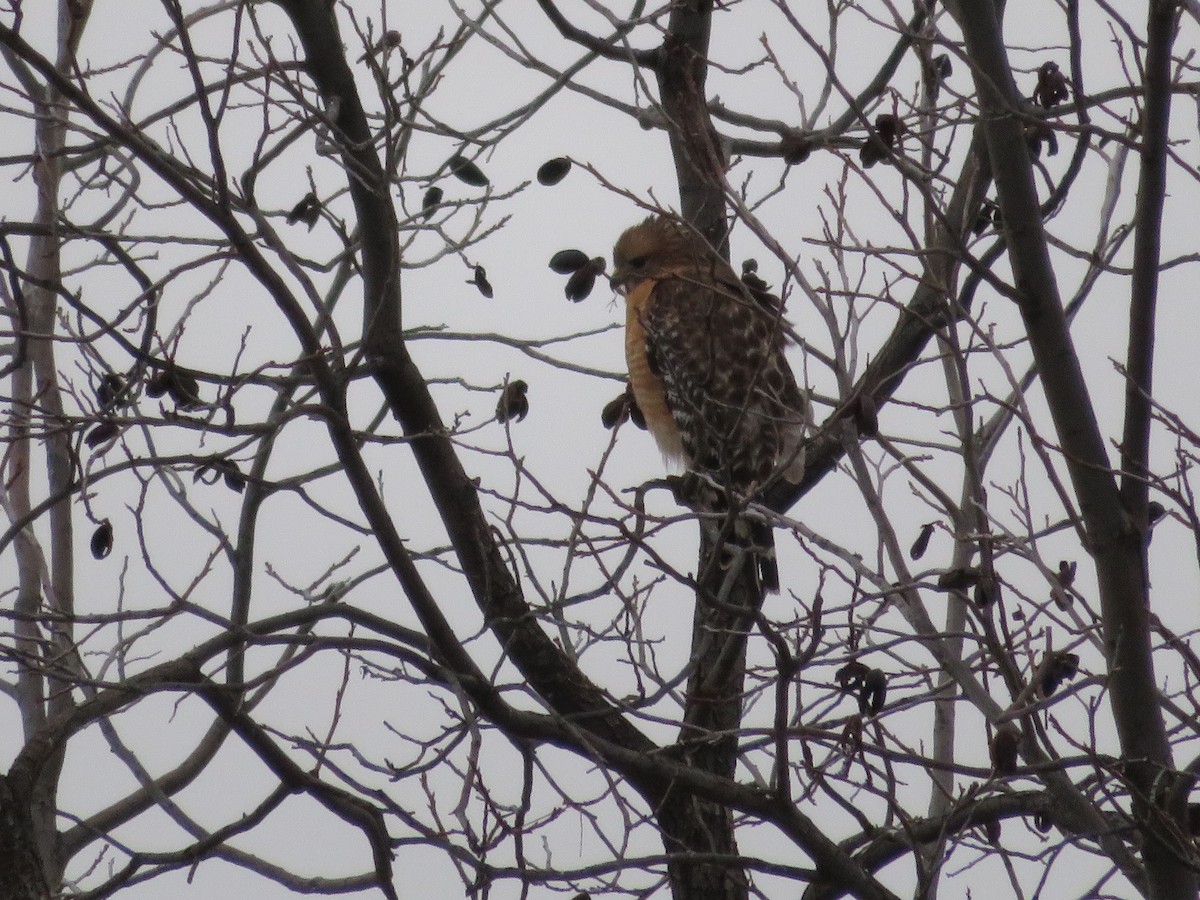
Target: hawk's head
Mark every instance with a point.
(653, 249)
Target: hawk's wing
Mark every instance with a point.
(728, 385)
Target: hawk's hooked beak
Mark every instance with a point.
(619, 281)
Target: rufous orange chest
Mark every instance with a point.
(648, 387)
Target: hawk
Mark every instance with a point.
(705, 352)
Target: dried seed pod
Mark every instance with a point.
(921, 544)
(157, 384)
(431, 200)
(615, 412)
(564, 262)
(466, 171)
(1055, 669)
(849, 677)
(580, 284)
(1004, 747)
(872, 151)
(231, 474)
(183, 388)
(553, 171)
(795, 149)
(513, 402)
(110, 388)
(480, 280)
(881, 140)
(105, 431)
(1037, 134)
(873, 694)
(307, 211)
(102, 540)
(1052, 87)
(889, 128)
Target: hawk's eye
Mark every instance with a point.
(637, 262)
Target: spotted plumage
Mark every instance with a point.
(707, 367)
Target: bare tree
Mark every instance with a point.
(334, 555)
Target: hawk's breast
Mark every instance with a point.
(648, 388)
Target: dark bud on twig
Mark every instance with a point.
(1005, 744)
(553, 171)
(1055, 669)
(181, 386)
(1041, 823)
(580, 284)
(881, 140)
(110, 387)
(1154, 512)
(991, 830)
(102, 540)
(959, 579)
(921, 544)
(564, 262)
(1052, 87)
(105, 431)
(795, 149)
(433, 197)
(466, 171)
(870, 686)
(480, 280)
(307, 211)
(513, 403)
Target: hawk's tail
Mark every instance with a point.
(754, 540)
(762, 546)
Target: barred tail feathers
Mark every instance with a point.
(762, 537)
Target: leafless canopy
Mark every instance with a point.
(334, 561)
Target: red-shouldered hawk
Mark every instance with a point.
(707, 368)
